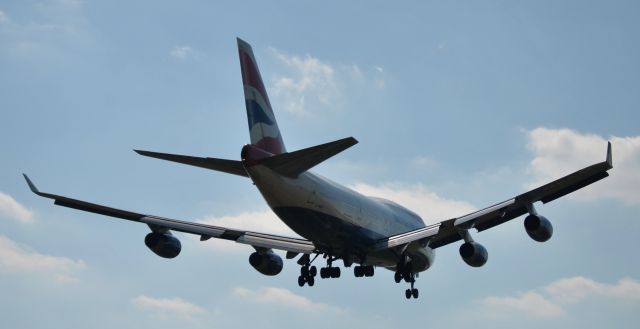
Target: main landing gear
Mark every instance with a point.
(307, 272)
(330, 271)
(363, 270)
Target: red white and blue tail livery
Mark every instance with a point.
(333, 220)
(263, 128)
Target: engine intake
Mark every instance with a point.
(266, 263)
(474, 254)
(163, 244)
(538, 228)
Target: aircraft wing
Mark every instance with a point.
(449, 231)
(504, 211)
(255, 239)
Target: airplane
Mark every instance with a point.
(334, 221)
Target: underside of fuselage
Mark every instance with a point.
(340, 222)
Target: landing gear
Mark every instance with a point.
(412, 292)
(363, 270)
(307, 272)
(404, 273)
(330, 271)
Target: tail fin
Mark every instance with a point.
(263, 127)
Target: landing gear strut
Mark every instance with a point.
(403, 272)
(330, 271)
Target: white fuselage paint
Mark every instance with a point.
(338, 219)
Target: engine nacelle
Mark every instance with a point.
(163, 244)
(538, 228)
(266, 263)
(422, 259)
(474, 254)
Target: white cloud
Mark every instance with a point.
(561, 151)
(282, 297)
(529, 303)
(15, 258)
(551, 300)
(576, 289)
(11, 208)
(174, 306)
(430, 206)
(311, 85)
(312, 81)
(181, 52)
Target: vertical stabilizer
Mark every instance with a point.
(263, 127)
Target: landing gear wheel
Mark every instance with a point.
(368, 271)
(311, 281)
(357, 271)
(407, 293)
(301, 281)
(334, 272)
(313, 271)
(414, 293)
(304, 271)
(324, 273)
(397, 276)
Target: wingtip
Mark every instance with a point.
(32, 186)
(609, 155)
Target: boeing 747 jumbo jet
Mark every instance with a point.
(335, 222)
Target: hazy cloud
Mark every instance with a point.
(551, 300)
(530, 303)
(11, 208)
(309, 81)
(49, 28)
(577, 289)
(3, 18)
(281, 297)
(558, 152)
(430, 206)
(311, 84)
(181, 52)
(15, 258)
(173, 306)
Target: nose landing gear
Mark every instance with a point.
(403, 272)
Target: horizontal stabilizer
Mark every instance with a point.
(294, 163)
(228, 166)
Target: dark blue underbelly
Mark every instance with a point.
(325, 231)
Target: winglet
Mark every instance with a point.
(609, 156)
(33, 188)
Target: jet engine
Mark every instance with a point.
(538, 228)
(266, 263)
(474, 254)
(163, 244)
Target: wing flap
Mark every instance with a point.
(421, 234)
(255, 239)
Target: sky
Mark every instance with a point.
(457, 105)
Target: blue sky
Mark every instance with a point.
(456, 106)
